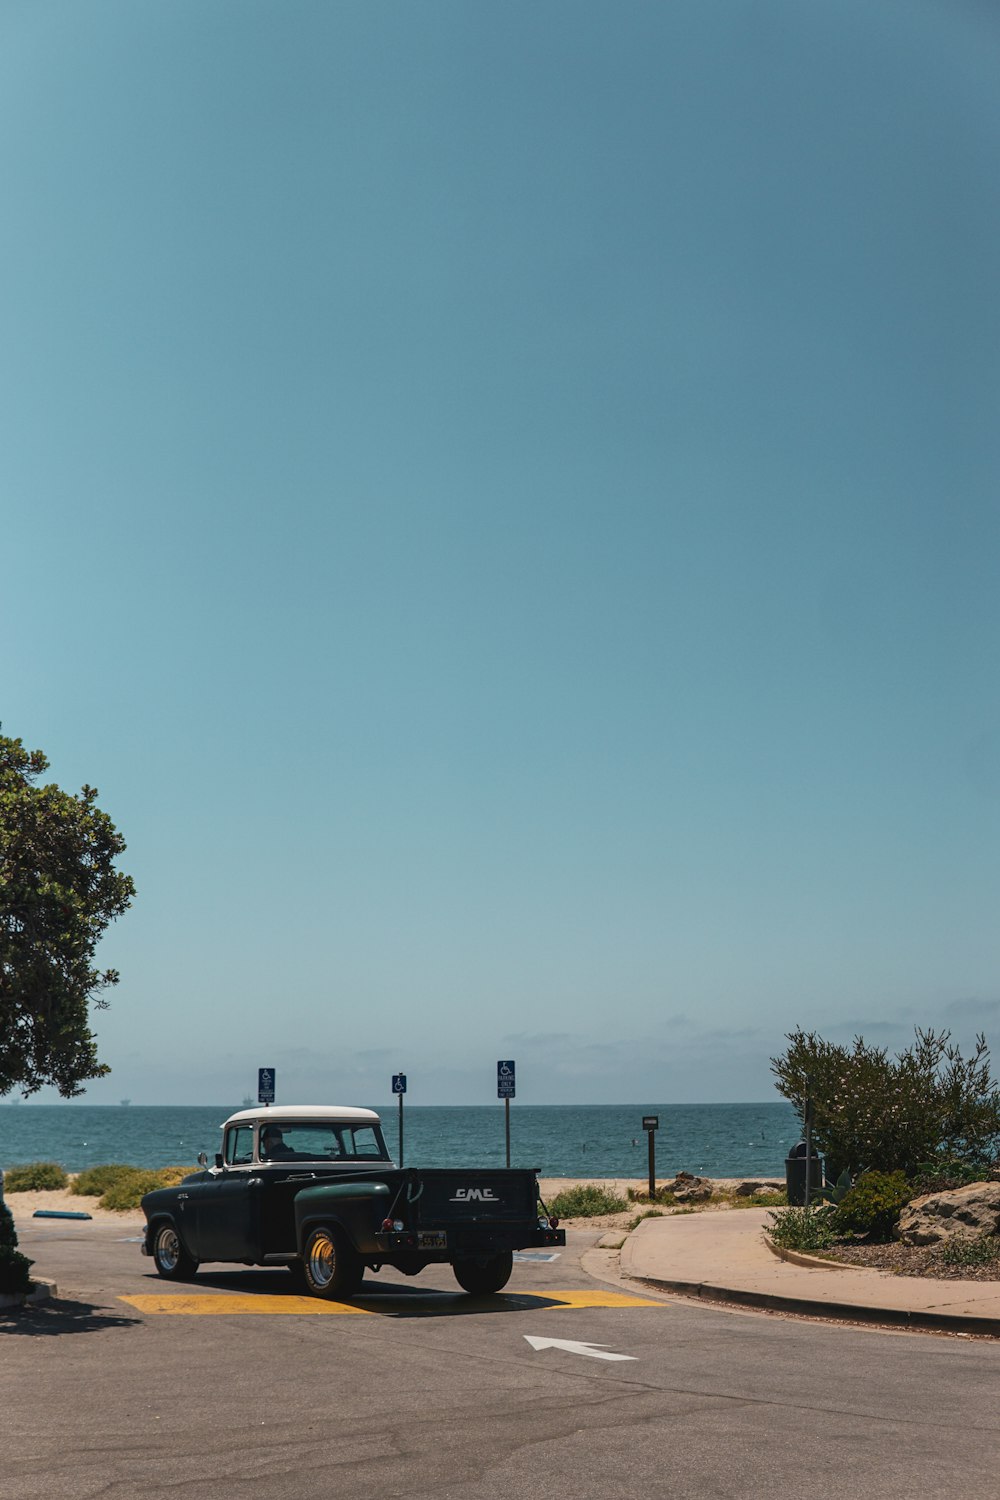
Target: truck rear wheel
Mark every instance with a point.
(330, 1266)
(481, 1277)
(170, 1257)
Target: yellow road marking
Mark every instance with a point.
(214, 1304)
(586, 1298)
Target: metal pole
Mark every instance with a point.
(652, 1165)
(506, 1122)
(400, 1130)
(808, 1134)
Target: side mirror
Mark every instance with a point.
(202, 1159)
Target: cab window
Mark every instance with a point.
(239, 1146)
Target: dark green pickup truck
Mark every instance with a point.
(314, 1188)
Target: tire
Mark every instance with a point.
(330, 1265)
(169, 1255)
(482, 1278)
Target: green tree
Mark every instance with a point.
(14, 1266)
(59, 889)
(928, 1104)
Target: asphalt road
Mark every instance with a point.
(424, 1391)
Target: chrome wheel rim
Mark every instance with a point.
(168, 1249)
(322, 1259)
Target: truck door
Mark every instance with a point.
(221, 1213)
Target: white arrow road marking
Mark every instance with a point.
(573, 1346)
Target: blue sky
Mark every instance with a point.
(502, 501)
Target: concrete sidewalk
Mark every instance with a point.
(722, 1256)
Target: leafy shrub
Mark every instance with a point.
(96, 1181)
(128, 1191)
(761, 1200)
(651, 1213)
(868, 1110)
(641, 1195)
(14, 1266)
(121, 1187)
(945, 1173)
(971, 1252)
(838, 1192)
(586, 1201)
(801, 1229)
(873, 1205)
(35, 1176)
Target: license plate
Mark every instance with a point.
(432, 1239)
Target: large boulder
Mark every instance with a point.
(687, 1188)
(965, 1213)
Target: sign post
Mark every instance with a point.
(505, 1091)
(651, 1124)
(265, 1085)
(399, 1087)
(807, 1122)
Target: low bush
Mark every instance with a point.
(128, 1191)
(945, 1173)
(586, 1201)
(96, 1181)
(651, 1213)
(873, 1205)
(971, 1252)
(34, 1177)
(121, 1187)
(803, 1229)
(129, 1188)
(641, 1195)
(762, 1200)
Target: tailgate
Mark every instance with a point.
(477, 1197)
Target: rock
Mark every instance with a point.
(747, 1189)
(965, 1213)
(689, 1189)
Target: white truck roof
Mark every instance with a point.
(338, 1114)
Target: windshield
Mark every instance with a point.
(308, 1140)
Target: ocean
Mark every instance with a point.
(563, 1140)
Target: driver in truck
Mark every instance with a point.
(272, 1144)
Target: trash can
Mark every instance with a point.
(795, 1175)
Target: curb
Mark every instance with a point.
(41, 1291)
(849, 1312)
(811, 1262)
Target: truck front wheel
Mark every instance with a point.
(330, 1266)
(169, 1255)
(481, 1277)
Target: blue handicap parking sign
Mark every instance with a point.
(505, 1080)
(399, 1083)
(265, 1085)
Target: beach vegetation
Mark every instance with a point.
(94, 1182)
(764, 1199)
(650, 1213)
(836, 1192)
(868, 1111)
(14, 1267)
(59, 890)
(586, 1201)
(641, 1195)
(804, 1229)
(120, 1187)
(872, 1206)
(978, 1252)
(35, 1177)
(943, 1175)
